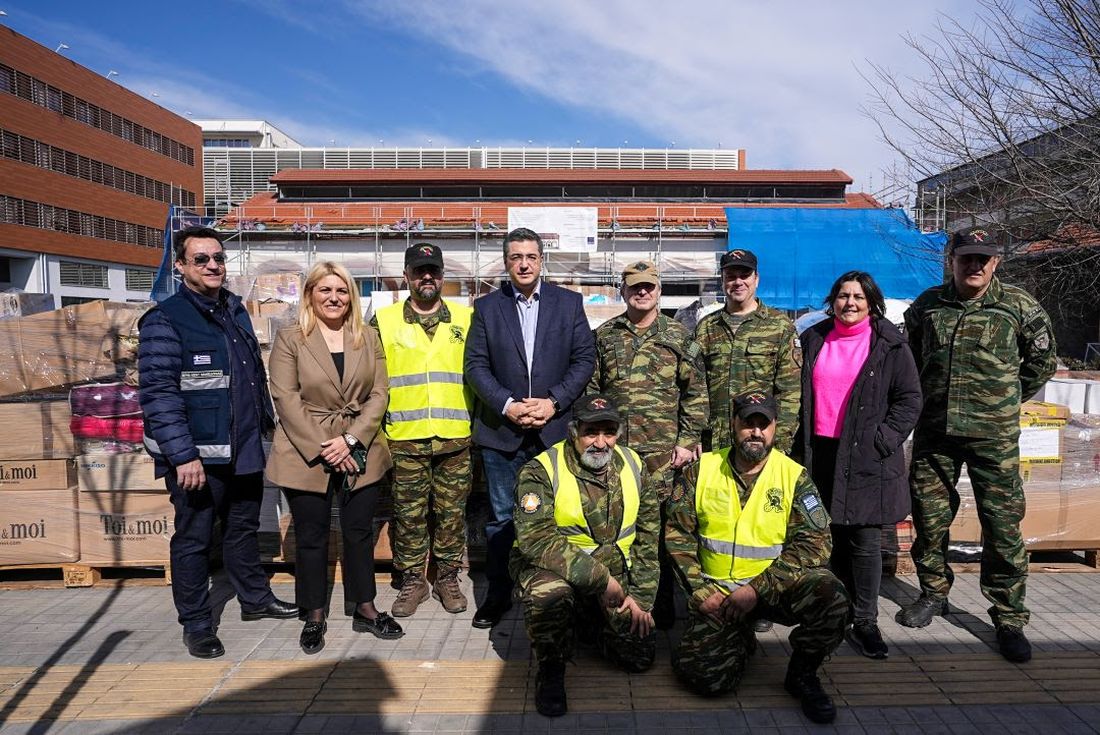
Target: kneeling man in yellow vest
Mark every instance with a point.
(585, 558)
(750, 539)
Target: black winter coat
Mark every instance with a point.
(870, 482)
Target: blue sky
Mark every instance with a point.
(779, 79)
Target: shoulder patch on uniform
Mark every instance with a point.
(530, 503)
(814, 510)
(1042, 342)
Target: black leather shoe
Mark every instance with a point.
(920, 613)
(275, 609)
(491, 611)
(312, 639)
(203, 644)
(801, 682)
(383, 626)
(1013, 644)
(550, 689)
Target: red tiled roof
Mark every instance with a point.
(555, 175)
(265, 207)
(1067, 238)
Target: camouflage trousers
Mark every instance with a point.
(994, 469)
(711, 658)
(555, 614)
(430, 483)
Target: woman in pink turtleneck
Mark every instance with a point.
(860, 399)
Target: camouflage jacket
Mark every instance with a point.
(760, 356)
(808, 545)
(656, 378)
(540, 544)
(978, 359)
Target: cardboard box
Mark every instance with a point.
(114, 472)
(36, 474)
(276, 286)
(38, 526)
(125, 526)
(1044, 410)
(55, 348)
(36, 429)
(1041, 440)
(19, 304)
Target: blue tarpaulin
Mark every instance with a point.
(801, 251)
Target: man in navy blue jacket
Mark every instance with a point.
(204, 395)
(529, 355)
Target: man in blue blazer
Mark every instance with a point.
(529, 355)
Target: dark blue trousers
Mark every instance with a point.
(501, 469)
(235, 500)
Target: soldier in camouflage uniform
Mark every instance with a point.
(748, 346)
(431, 456)
(652, 367)
(982, 347)
(750, 538)
(587, 528)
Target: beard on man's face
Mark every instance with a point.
(426, 291)
(754, 449)
(595, 458)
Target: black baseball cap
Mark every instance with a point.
(423, 253)
(974, 241)
(747, 404)
(596, 407)
(738, 257)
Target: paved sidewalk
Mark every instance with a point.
(109, 659)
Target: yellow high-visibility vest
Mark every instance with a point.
(737, 544)
(569, 511)
(428, 397)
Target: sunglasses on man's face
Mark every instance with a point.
(202, 259)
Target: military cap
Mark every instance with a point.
(747, 404)
(423, 253)
(738, 257)
(596, 407)
(644, 271)
(974, 241)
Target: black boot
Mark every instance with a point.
(802, 682)
(550, 689)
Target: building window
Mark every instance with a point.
(86, 275)
(74, 300)
(5, 270)
(139, 280)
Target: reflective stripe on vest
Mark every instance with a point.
(428, 397)
(206, 451)
(569, 510)
(737, 544)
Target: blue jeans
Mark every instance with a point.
(501, 469)
(235, 500)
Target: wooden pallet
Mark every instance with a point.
(79, 574)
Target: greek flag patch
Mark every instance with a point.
(809, 502)
(200, 359)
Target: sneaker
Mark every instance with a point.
(414, 590)
(550, 689)
(448, 592)
(864, 636)
(920, 613)
(1013, 644)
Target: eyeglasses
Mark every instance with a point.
(202, 259)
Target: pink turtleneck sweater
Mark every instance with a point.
(838, 364)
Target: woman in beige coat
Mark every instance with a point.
(328, 381)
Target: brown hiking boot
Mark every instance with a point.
(414, 590)
(448, 592)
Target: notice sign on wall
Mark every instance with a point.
(567, 229)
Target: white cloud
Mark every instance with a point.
(779, 79)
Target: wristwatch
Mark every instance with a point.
(554, 402)
(352, 442)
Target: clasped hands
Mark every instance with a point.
(731, 608)
(530, 413)
(336, 453)
(641, 622)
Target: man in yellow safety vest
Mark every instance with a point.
(428, 428)
(587, 530)
(750, 538)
